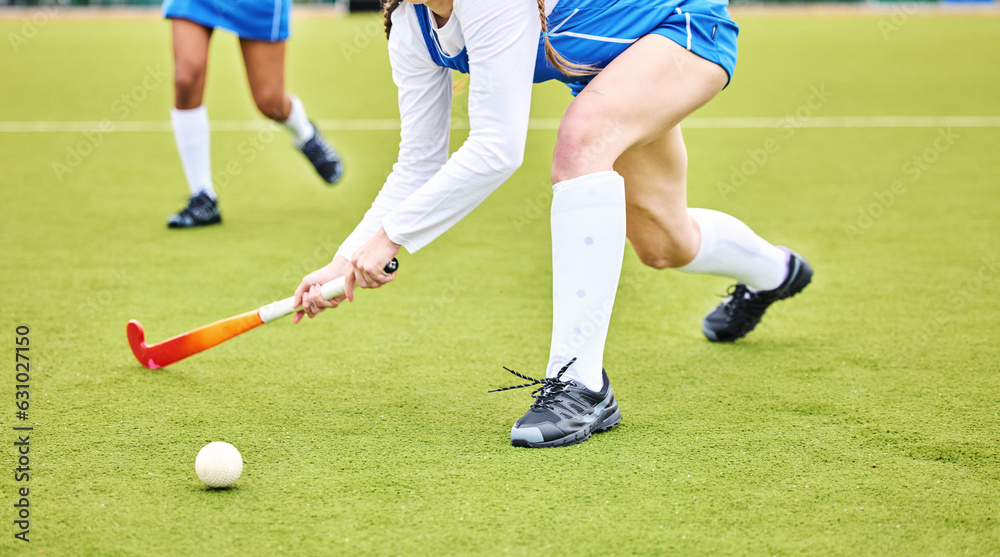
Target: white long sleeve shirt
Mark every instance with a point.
(428, 192)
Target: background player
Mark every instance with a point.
(263, 28)
(619, 169)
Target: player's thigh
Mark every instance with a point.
(644, 92)
(658, 225)
(265, 64)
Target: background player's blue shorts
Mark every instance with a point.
(260, 20)
(596, 31)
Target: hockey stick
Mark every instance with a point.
(190, 343)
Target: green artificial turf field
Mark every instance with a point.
(861, 417)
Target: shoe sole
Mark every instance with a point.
(609, 419)
(331, 181)
(198, 225)
(805, 273)
(217, 220)
(333, 178)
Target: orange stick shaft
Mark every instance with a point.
(190, 343)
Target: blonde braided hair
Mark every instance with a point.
(558, 60)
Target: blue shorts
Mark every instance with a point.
(259, 20)
(594, 32)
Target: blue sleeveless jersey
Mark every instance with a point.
(595, 32)
(459, 62)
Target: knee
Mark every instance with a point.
(664, 258)
(653, 258)
(666, 247)
(189, 80)
(271, 104)
(587, 142)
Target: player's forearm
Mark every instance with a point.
(470, 176)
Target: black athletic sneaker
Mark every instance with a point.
(740, 312)
(564, 412)
(201, 210)
(323, 157)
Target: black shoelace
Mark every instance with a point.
(550, 388)
(741, 298)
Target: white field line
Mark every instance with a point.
(535, 124)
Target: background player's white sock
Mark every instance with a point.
(298, 123)
(588, 243)
(192, 136)
(730, 248)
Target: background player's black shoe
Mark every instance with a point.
(564, 412)
(201, 210)
(323, 157)
(739, 313)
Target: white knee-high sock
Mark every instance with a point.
(193, 144)
(588, 243)
(298, 123)
(730, 248)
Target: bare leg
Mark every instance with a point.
(628, 119)
(189, 120)
(190, 43)
(630, 114)
(642, 95)
(659, 228)
(265, 63)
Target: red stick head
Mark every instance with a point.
(137, 342)
(174, 349)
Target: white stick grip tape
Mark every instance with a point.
(281, 308)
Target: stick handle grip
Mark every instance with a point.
(329, 290)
